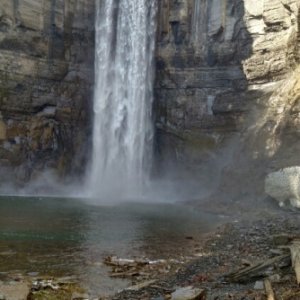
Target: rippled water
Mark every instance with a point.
(58, 237)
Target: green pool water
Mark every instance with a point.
(60, 237)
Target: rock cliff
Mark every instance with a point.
(221, 65)
(46, 78)
(226, 102)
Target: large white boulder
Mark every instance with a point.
(284, 186)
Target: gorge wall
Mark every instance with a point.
(221, 66)
(227, 104)
(46, 84)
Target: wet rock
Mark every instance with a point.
(14, 291)
(188, 293)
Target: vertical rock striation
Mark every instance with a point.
(46, 77)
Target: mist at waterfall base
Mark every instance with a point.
(122, 148)
(121, 167)
(124, 75)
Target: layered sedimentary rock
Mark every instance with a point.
(226, 93)
(46, 78)
(220, 64)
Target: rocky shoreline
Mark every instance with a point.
(239, 244)
(234, 246)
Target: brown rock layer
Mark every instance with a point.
(46, 77)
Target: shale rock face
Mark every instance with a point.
(220, 67)
(46, 77)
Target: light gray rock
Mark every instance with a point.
(188, 293)
(284, 186)
(259, 285)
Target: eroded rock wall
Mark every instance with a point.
(46, 78)
(219, 65)
(224, 92)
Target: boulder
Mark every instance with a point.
(284, 186)
(188, 293)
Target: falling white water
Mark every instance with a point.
(122, 133)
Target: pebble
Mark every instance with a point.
(276, 251)
(187, 293)
(259, 285)
(33, 274)
(281, 239)
(79, 296)
(2, 297)
(275, 278)
(245, 262)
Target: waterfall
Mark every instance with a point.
(196, 22)
(122, 132)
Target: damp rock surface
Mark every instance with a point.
(188, 293)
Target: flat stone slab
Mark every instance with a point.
(14, 290)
